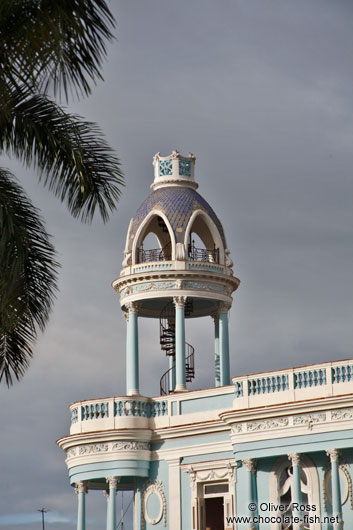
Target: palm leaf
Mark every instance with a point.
(28, 277)
(75, 161)
(58, 41)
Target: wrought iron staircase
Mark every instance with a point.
(167, 341)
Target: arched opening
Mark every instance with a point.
(153, 241)
(203, 241)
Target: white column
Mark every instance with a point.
(132, 351)
(334, 455)
(111, 512)
(224, 344)
(216, 349)
(179, 302)
(81, 491)
(174, 494)
(250, 466)
(296, 487)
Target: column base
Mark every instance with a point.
(133, 392)
(180, 388)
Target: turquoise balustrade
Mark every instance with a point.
(142, 409)
(74, 415)
(342, 374)
(268, 385)
(310, 378)
(94, 411)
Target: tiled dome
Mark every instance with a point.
(178, 204)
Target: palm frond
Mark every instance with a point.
(27, 280)
(58, 41)
(76, 162)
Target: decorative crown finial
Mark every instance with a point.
(174, 170)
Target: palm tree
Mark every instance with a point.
(46, 47)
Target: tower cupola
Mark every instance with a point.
(174, 170)
(185, 272)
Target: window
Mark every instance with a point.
(281, 484)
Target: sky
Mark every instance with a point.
(261, 92)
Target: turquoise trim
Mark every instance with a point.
(165, 168)
(294, 444)
(116, 468)
(222, 401)
(207, 458)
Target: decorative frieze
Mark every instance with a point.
(265, 425)
(309, 419)
(130, 446)
(109, 447)
(93, 448)
(342, 414)
(237, 428)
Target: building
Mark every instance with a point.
(274, 448)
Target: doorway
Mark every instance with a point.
(214, 508)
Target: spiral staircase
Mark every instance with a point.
(167, 341)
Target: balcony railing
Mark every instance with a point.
(203, 254)
(154, 254)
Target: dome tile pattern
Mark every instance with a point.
(178, 204)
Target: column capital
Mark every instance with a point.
(334, 454)
(132, 307)
(106, 494)
(80, 487)
(215, 317)
(223, 307)
(179, 301)
(294, 458)
(249, 464)
(113, 482)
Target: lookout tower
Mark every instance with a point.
(188, 274)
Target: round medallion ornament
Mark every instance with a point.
(154, 504)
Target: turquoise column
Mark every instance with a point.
(224, 345)
(172, 372)
(250, 466)
(216, 347)
(106, 495)
(334, 455)
(132, 351)
(81, 491)
(180, 382)
(111, 511)
(296, 486)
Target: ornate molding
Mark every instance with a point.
(342, 414)
(153, 488)
(264, 425)
(309, 419)
(250, 465)
(224, 307)
(131, 446)
(295, 458)
(179, 301)
(132, 307)
(237, 428)
(80, 487)
(334, 454)
(93, 448)
(113, 482)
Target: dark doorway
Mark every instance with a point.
(214, 513)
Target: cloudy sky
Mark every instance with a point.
(262, 92)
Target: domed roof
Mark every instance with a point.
(178, 204)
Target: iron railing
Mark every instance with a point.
(203, 254)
